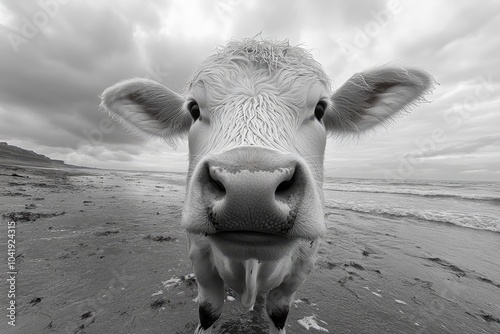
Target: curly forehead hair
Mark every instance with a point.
(274, 56)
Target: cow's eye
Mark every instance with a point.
(319, 111)
(194, 110)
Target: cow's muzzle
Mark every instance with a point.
(252, 190)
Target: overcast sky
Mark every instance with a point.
(58, 56)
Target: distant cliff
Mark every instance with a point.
(15, 155)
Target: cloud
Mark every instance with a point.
(463, 148)
(50, 87)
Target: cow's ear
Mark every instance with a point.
(374, 97)
(148, 108)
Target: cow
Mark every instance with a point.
(257, 114)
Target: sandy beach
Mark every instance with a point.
(101, 251)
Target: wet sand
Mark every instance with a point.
(103, 252)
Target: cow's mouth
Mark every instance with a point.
(243, 245)
(250, 238)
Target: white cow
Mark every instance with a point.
(257, 115)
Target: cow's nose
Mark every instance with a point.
(257, 196)
(253, 186)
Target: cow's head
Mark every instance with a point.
(257, 115)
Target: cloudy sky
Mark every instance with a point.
(58, 56)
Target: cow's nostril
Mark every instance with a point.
(286, 187)
(217, 186)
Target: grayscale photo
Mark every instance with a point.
(250, 166)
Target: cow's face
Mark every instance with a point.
(256, 153)
(257, 116)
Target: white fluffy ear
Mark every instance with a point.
(148, 108)
(374, 97)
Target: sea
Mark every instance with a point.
(469, 204)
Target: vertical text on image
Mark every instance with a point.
(11, 272)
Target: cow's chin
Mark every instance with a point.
(244, 245)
